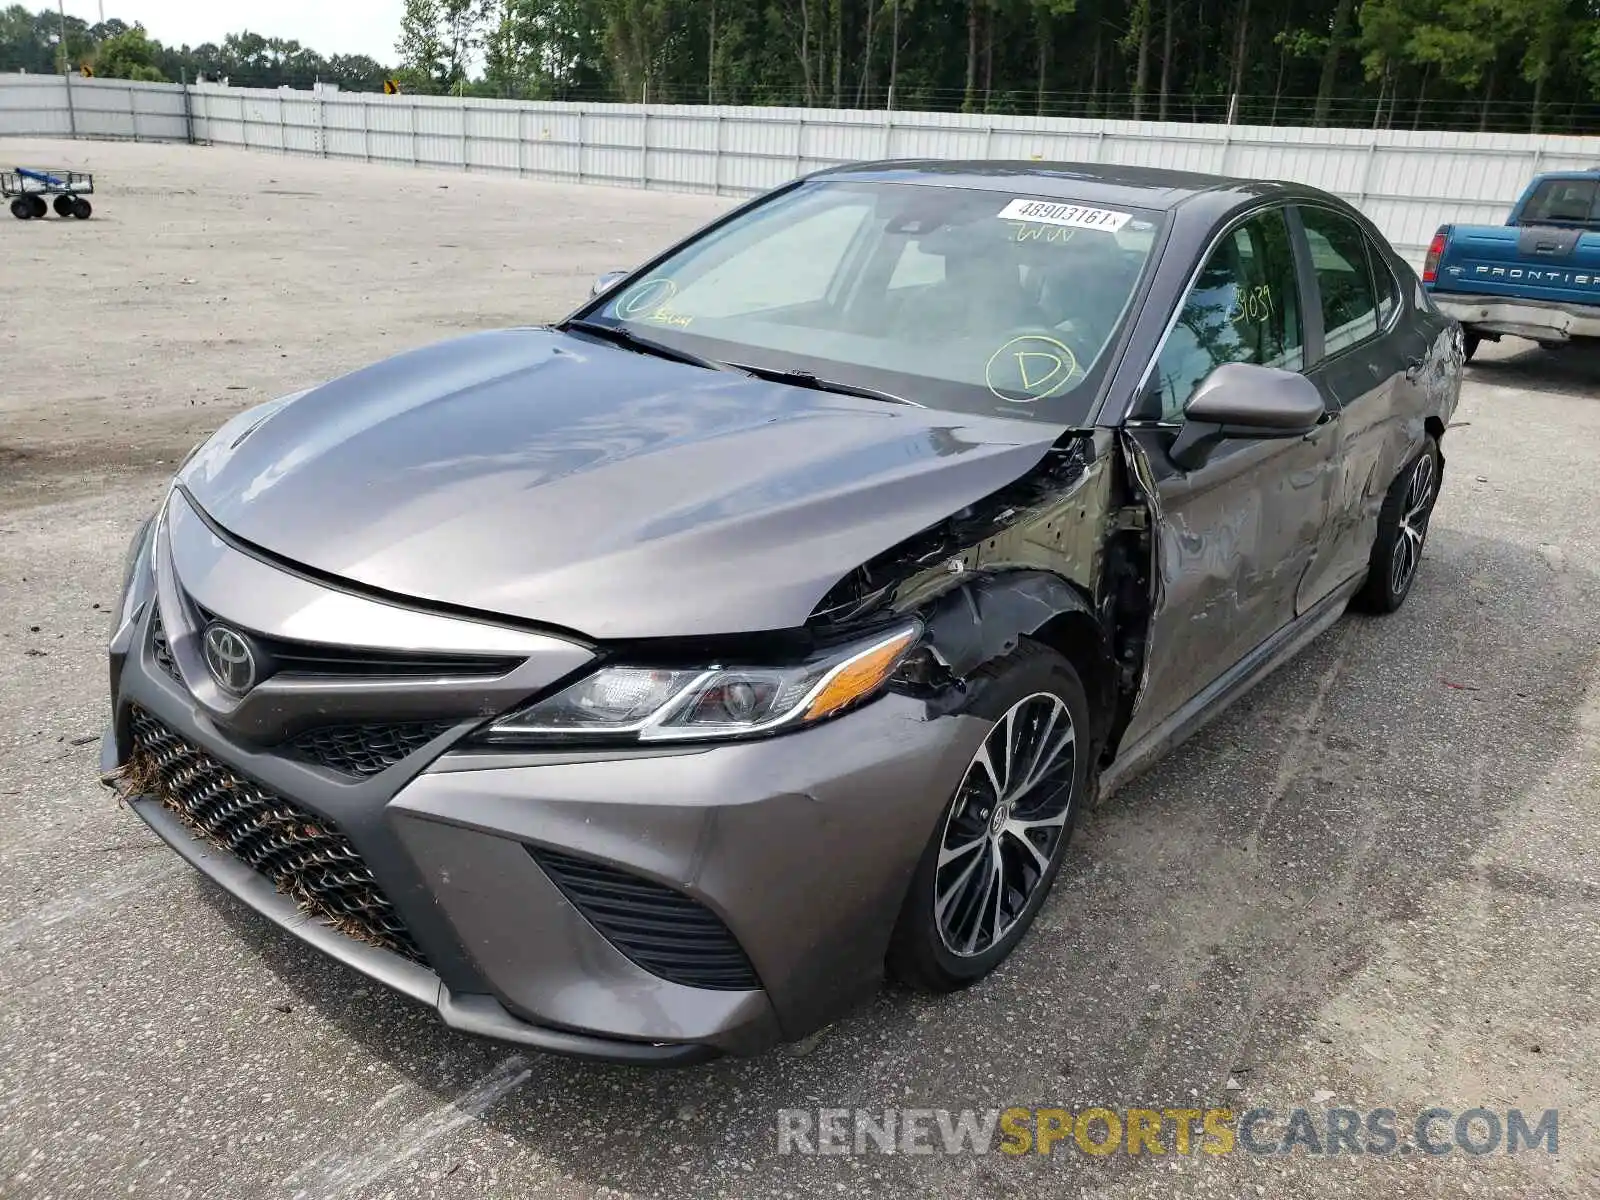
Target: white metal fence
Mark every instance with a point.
(1407, 182)
(57, 106)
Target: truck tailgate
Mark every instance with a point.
(1535, 262)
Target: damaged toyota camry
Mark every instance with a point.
(650, 685)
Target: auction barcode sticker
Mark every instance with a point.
(1075, 215)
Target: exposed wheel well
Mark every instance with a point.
(1435, 427)
(1077, 637)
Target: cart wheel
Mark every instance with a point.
(22, 208)
(40, 208)
(63, 206)
(81, 208)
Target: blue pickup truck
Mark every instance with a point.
(1537, 276)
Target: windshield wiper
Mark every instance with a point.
(808, 379)
(632, 341)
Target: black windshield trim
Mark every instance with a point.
(625, 337)
(810, 379)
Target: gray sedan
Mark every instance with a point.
(646, 686)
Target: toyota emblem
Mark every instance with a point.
(230, 659)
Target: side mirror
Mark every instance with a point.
(1242, 400)
(606, 282)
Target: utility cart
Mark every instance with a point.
(27, 189)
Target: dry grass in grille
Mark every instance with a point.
(146, 775)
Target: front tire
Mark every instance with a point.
(1402, 532)
(1001, 838)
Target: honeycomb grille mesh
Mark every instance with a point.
(303, 855)
(662, 930)
(363, 750)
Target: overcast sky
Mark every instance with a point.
(326, 26)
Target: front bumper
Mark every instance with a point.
(1537, 320)
(470, 1013)
(802, 845)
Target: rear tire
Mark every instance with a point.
(81, 208)
(1001, 838)
(1402, 533)
(62, 205)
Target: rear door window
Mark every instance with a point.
(1344, 278)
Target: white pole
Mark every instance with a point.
(66, 71)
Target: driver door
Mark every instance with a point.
(1239, 532)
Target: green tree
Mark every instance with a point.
(424, 62)
(24, 43)
(437, 41)
(1552, 34)
(129, 55)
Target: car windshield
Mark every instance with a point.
(954, 298)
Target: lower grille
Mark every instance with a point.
(363, 750)
(302, 854)
(661, 930)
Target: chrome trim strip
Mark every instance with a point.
(263, 599)
(190, 559)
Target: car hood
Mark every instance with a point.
(544, 476)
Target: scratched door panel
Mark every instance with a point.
(1374, 342)
(1234, 539)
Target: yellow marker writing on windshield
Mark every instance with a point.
(1034, 364)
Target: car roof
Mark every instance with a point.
(1087, 183)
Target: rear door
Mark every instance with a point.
(1370, 358)
(1551, 253)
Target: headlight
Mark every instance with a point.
(653, 704)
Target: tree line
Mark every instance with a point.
(1490, 64)
(1419, 64)
(32, 41)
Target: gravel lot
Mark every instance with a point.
(1373, 883)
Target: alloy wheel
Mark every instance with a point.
(1414, 514)
(1005, 825)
